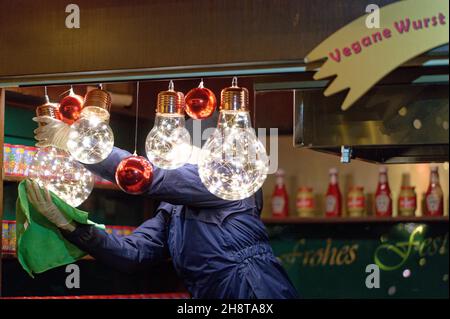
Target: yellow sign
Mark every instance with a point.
(359, 57)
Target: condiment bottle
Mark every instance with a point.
(356, 202)
(280, 200)
(434, 199)
(383, 197)
(333, 197)
(305, 202)
(407, 201)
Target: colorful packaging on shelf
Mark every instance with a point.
(18, 153)
(27, 158)
(5, 237)
(101, 181)
(17, 159)
(356, 202)
(9, 159)
(120, 230)
(407, 201)
(9, 237)
(305, 202)
(12, 237)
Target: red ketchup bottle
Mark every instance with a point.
(434, 199)
(333, 197)
(383, 196)
(280, 201)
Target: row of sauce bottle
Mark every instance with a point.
(356, 200)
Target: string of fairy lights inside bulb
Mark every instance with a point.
(233, 163)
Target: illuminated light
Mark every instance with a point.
(417, 124)
(392, 290)
(71, 182)
(89, 144)
(422, 261)
(420, 229)
(168, 144)
(403, 111)
(406, 273)
(233, 163)
(445, 125)
(91, 139)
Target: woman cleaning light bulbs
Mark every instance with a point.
(232, 165)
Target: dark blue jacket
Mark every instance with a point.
(219, 248)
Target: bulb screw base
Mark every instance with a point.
(98, 98)
(234, 98)
(48, 109)
(97, 102)
(170, 101)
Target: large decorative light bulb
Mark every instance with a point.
(168, 145)
(57, 171)
(91, 139)
(233, 163)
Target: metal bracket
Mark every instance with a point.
(346, 154)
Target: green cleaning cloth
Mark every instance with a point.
(40, 245)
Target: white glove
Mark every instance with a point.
(42, 202)
(54, 133)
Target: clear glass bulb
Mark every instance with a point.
(233, 163)
(57, 171)
(168, 145)
(91, 139)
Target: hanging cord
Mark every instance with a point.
(137, 116)
(70, 91)
(47, 99)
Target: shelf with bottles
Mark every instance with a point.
(9, 237)
(356, 205)
(17, 161)
(355, 220)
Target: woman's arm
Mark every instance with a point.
(180, 186)
(147, 245)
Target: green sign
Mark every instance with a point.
(330, 260)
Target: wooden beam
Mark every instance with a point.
(2, 140)
(130, 38)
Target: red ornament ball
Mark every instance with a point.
(134, 175)
(200, 103)
(70, 108)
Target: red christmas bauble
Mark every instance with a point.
(70, 108)
(200, 103)
(134, 175)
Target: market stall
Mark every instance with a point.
(352, 177)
